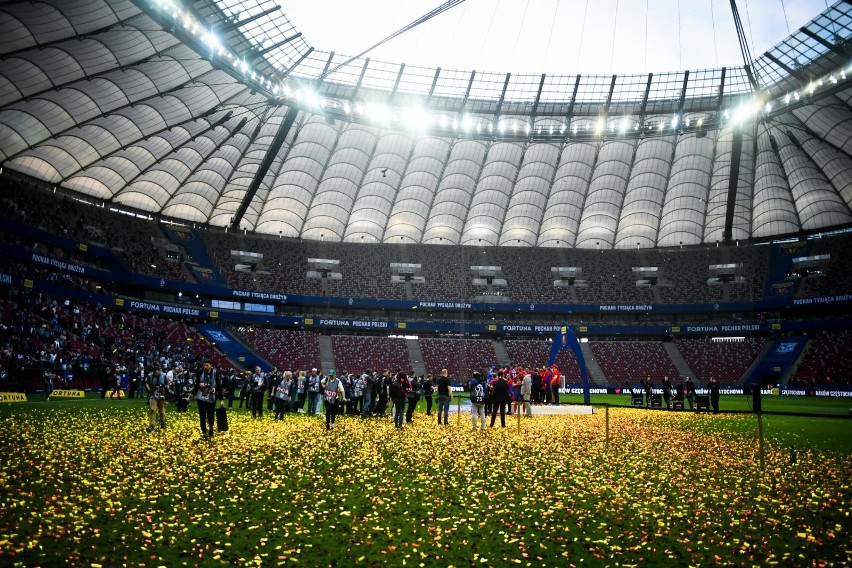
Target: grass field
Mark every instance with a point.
(82, 484)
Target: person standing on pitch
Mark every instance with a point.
(445, 395)
(428, 387)
(298, 402)
(526, 393)
(281, 393)
(397, 391)
(369, 385)
(413, 395)
(667, 392)
(333, 396)
(258, 386)
(205, 397)
(48, 385)
(314, 386)
(478, 397)
(499, 398)
(156, 385)
(713, 385)
(689, 387)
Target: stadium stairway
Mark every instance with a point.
(239, 354)
(326, 353)
(502, 355)
(679, 362)
(760, 356)
(778, 362)
(416, 356)
(592, 366)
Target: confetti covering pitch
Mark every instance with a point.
(86, 487)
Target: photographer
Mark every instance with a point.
(205, 397)
(258, 386)
(48, 384)
(281, 393)
(412, 394)
(314, 387)
(156, 385)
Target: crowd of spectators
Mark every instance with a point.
(608, 276)
(83, 345)
(138, 243)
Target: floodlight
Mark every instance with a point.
(378, 112)
(346, 107)
(674, 121)
(623, 124)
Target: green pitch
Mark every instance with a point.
(83, 485)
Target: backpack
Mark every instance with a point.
(415, 389)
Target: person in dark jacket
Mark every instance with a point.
(428, 386)
(499, 399)
(413, 395)
(713, 385)
(667, 392)
(398, 394)
(689, 387)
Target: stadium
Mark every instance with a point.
(654, 264)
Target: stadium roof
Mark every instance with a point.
(198, 113)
